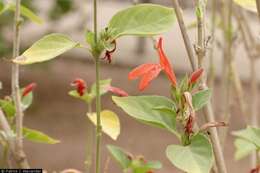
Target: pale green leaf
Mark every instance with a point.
(251, 134)
(27, 101)
(37, 136)
(104, 84)
(119, 155)
(153, 110)
(243, 148)
(194, 158)
(86, 97)
(247, 4)
(109, 121)
(45, 49)
(142, 20)
(201, 98)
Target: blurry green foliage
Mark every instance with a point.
(61, 7)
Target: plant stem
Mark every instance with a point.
(208, 111)
(16, 89)
(20, 161)
(211, 76)
(89, 142)
(258, 7)
(249, 44)
(186, 39)
(98, 97)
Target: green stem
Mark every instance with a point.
(89, 142)
(98, 98)
(16, 90)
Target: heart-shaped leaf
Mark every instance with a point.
(109, 121)
(194, 158)
(45, 49)
(141, 20)
(150, 110)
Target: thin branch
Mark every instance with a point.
(16, 88)
(258, 7)
(208, 111)
(20, 161)
(186, 39)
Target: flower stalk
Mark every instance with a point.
(98, 97)
(16, 90)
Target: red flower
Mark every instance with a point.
(108, 54)
(80, 85)
(29, 88)
(117, 91)
(148, 72)
(195, 76)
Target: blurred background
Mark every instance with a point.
(62, 117)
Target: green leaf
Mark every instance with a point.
(86, 97)
(27, 101)
(8, 108)
(24, 12)
(201, 98)
(90, 38)
(37, 136)
(142, 20)
(143, 108)
(109, 121)
(251, 134)
(243, 148)
(247, 4)
(45, 49)
(104, 84)
(119, 155)
(194, 158)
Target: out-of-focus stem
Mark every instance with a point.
(89, 142)
(16, 89)
(211, 75)
(258, 7)
(208, 111)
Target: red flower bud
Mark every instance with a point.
(80, 85)
(195, 76)
(108, 54)
(117, 91)
(189, 125)
(29, 88)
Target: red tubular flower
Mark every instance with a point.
(29, 88)
(166, 64)
(117, 91)
(195, 76)
(148, 72)
(255, 170)
(80, 85)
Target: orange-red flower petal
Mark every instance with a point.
(80, 85)
(195, 76)
(166, 64)
(29, 88)
(140, 71)
(149, 76)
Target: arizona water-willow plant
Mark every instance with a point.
(131, 21)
